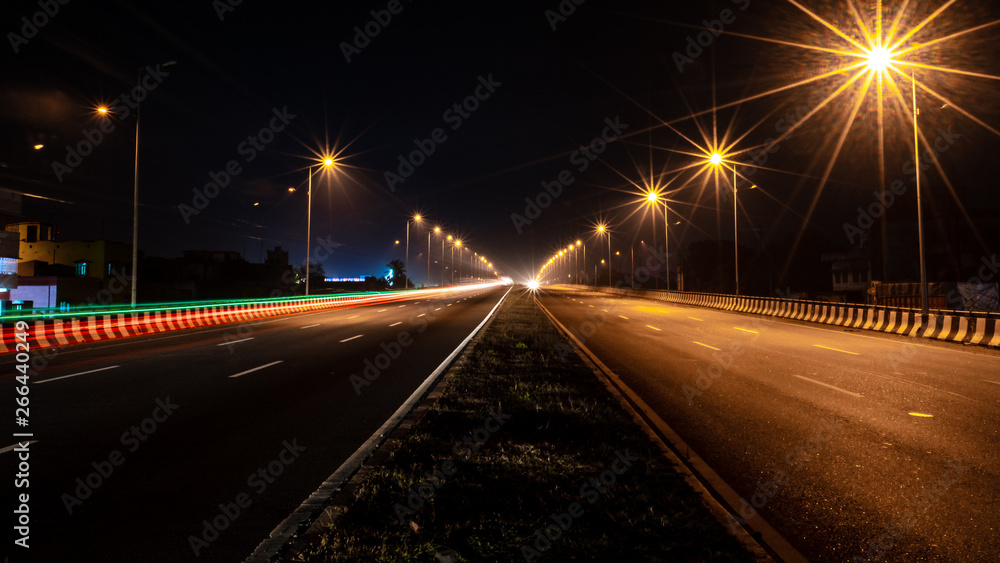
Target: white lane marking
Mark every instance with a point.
(11, 448)
(450, 304)
(624, 317)
(396, 324)
(255, 369)
(993, 382)
(438, 309)
(235, 341)
(354, 317)
(605, 310)
(696, 319)
(836, 350)
(351, 338)
(75, 374)
(381, 310)
(654, 328)
(309, 326)
(707, 346)
(746, 330)
(420, 315)
(401, 306)
(827, 385)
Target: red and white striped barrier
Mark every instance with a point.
(47, 333)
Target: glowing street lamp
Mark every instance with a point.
(920, 214)
(601, 229)
(327, 164)
(458, 243)
(718, 160)
(437, 231)
(450, 239)
(104, 111)
(416, 219)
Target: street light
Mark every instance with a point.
(920, 215)
(651, 198)
(716, 160)
(327, 163)
(135, 181)
(458, 243)
(452, 259)
(416, 219)
(601, 229)
(437, 230)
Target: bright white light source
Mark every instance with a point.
(879, 59)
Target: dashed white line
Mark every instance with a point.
(396, 324)
(381, 310)
(827, 385)
(309, 326)
(624, 317)
(696, 319)
(438, 309)
(351, 338)
(255, 369)
(354, 317)
(707, 346)
(401, 306)
(993, 382)
(654, 328)
(75, 374)
(235, 341)
(746, 330)
(420, 315)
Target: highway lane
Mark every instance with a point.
(823, 431)
(257, 414)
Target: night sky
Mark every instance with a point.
(543, 93)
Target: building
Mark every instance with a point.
(10, 212)
(55, 274)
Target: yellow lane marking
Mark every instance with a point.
(707, 346)
(696, 319)
(624, 317)
(837, 350)
(921, 415)
(654, 328)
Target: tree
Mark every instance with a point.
(397, 274)
(315, 271)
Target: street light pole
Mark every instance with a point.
(736, 233)
(609, 258)
(920, 214)
(309, 207)
(135, 200)
(135, 187)
(656, 278)
(428, 258)
(666, 244)
(327, 162)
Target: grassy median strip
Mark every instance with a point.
(525, 457)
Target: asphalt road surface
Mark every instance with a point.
(161, 430)
(849, 443)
